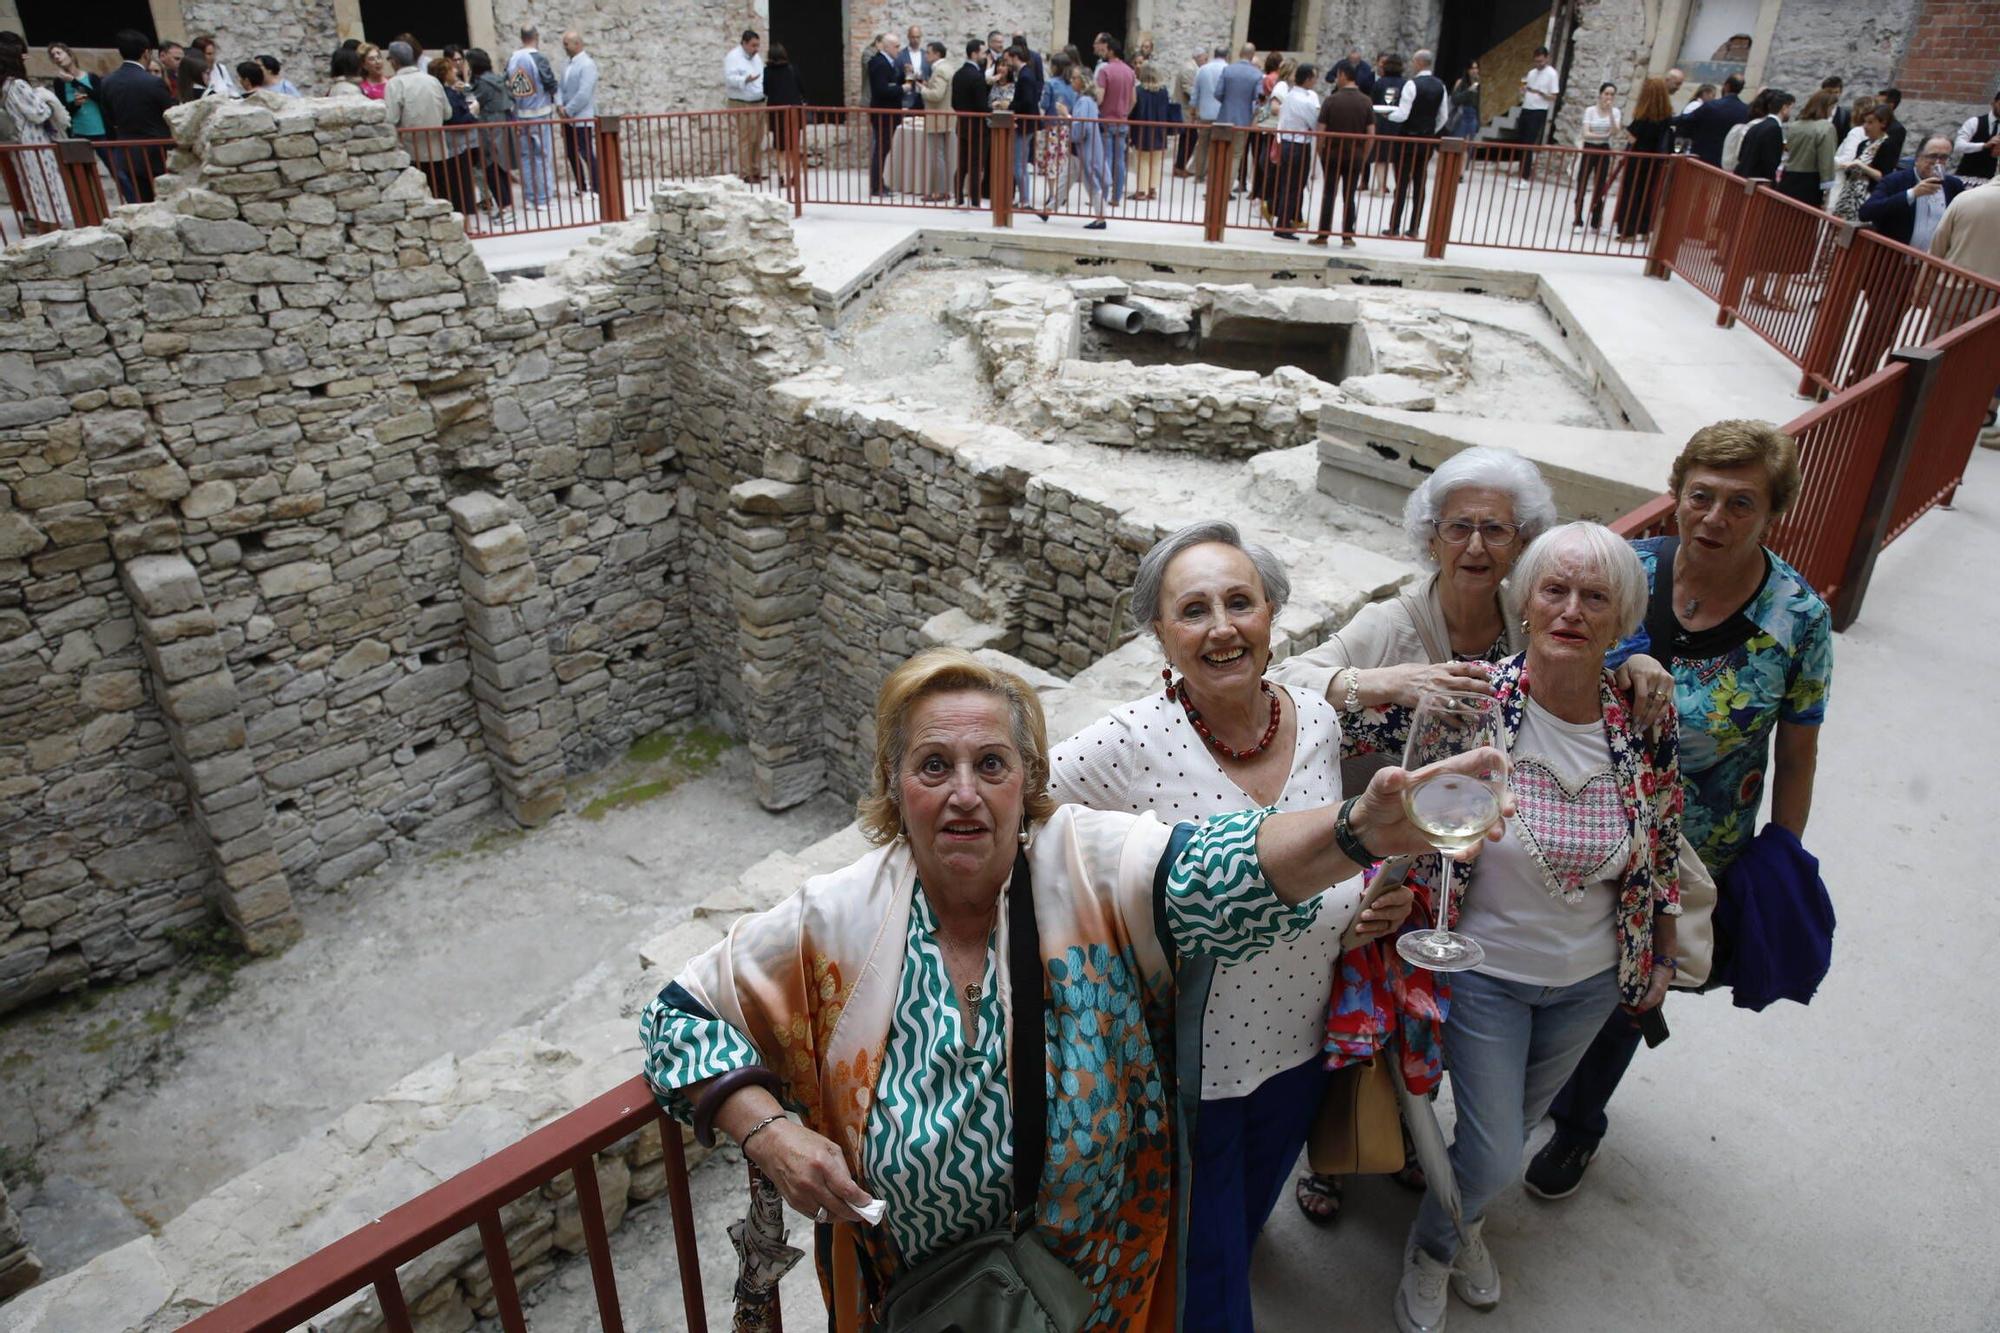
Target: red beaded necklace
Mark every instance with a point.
(1179, 691)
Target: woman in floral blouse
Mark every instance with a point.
(1752, 661)
(874, 1003)
(1574, 905)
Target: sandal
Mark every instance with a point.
(1318, 1197)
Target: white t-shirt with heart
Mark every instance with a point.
(1541, 899)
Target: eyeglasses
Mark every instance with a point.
(1457, 532)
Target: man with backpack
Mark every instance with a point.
(531, 80)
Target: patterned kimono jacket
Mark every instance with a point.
(815, 988)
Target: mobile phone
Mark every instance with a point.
(1653, 1026)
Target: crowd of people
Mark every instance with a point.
(1118, 124)
(1089, 1000)
(492, 131)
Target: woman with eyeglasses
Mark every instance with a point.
(1469, 520)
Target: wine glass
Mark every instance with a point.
(1452, 806)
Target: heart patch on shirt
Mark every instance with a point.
(1576, 835)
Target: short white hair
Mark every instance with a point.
(1152, 576)
(1602, 551)
(1489, 468)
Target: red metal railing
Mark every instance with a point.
(1841, 442)
(1968, 373)
(473, 1198)
(74, 182)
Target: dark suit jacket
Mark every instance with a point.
(1709, 124)
(885, 82)
(1889, 210)
(135, 104)
(1027, 92)
(968, 88)
(1890, 155)
(906, 62)
(1763, 150)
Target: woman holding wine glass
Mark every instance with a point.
(1469, 520)
(1568, 916)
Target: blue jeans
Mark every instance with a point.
(1024, 156)
(1244, 1151)
(1510, 1046)
(1116, 138)
(538, 141)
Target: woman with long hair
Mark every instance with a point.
(41, 120)
(1650, 139)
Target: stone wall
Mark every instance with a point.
(300, 33)
(313, 538)
(19, 1268)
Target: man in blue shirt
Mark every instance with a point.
(1205, 105)
(576, 96)
(532, 83)
(1240, 86)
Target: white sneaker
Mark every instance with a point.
(1420, 1297)
(1520, 185)
(1474, 1275)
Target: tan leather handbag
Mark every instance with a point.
(1357, 1131)
(1694, 930)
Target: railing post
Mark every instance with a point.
(610, 170)
(77, 161)
(795, 138)
(1000, 131)
(1920, 379)
(1444, 197)
(1666, 230)
(1220, 179)
(1833, 313)
(1742, 241)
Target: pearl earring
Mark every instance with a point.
(1022, 836)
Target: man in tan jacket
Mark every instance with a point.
(940, 130)
(416, 101)
(1969, 236)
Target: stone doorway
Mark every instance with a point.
(435, 23)
(1087, 18)
(813, 35)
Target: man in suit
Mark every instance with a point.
(1897, 135)
(1908, 204)
(1709, 124)
(1763, 150)
(135, 107)
(1242, 84)
(913, 67)
(1419, 117)
(885, 95)
(969, 183)
(1027, 107)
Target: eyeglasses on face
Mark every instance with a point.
(1457, 532)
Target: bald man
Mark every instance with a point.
(576, 99)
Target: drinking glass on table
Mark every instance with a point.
(1453, 806)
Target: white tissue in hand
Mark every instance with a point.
(873, 1211)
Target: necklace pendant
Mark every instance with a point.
(972, 992)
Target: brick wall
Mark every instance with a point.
(1953, 53)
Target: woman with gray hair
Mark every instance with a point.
(1575, 906)
(1217, 739)
(1469, 520)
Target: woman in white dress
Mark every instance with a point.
(1217, 738)
(42, 121)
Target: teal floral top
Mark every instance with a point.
(939, 1143)
(1730, 704)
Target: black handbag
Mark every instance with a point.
(1004, 1281)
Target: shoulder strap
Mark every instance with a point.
(1660, 607)
(1029, 1057)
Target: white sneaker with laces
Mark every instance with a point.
(1421, 1296)
(1474, 1275)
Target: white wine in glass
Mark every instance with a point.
(1453, 808)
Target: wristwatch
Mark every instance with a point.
(1345, 838)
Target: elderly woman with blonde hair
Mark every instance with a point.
(973, 1023)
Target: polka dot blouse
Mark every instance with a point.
(1267, 1015)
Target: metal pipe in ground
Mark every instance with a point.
(1117, 318)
